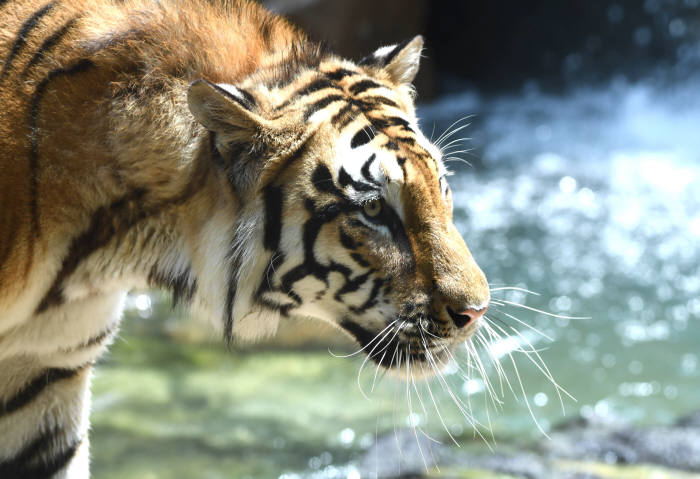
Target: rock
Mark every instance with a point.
(692, 420)
(677, 447)
(585, 448)
(401, 455)
(525, 465)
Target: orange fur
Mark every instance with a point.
(140, 48)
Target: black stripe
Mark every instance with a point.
(80, 66)
(249, 98)
(373, 102)
(392, 54)
(365, 170)
(314, 86)
(347, 241)
(31, 390)
(345, 179)
(48, 44)
(248, 101)
(15, 466)
(106, 223)
(339, 74)
(322, 180)
(49, 468)
(111, 222)
(266, 285)
(383, 60)
(359, 260)
(363, 85)
(320, 104)
(93, 341)
(391, 145)
(406, 139)
(182, 285)
(371, 300)
(384, 123)
(352, 285)
(9, 222)
(21, 38)
(266, 29)
(312, 227)
(230, 300)
(362, 137)
(25, 464)
(276, 260)
(343, 117)
(363, 336)
(398, 121)
(232, 287)
(273, 217)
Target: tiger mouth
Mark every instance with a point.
(387, 349)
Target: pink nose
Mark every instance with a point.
(467, 316)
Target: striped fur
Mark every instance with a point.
(214, 151)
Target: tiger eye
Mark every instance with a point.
(373, 208)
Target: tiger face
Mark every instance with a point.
(356, 226)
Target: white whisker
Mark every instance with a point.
(449, 132)
(365, 346)
(546, 336)
(369, 356)
(514, 288)
(560, 316)
(527, 401)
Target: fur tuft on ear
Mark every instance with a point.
(223, 109)
(400, 61)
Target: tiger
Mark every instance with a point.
(213, 150)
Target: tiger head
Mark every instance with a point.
(344, 211)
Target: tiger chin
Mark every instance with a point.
(216, 152)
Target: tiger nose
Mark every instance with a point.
(469, 315)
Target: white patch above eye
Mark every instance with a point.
(392, 170)
(373, 167)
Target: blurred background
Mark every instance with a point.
(577, 177)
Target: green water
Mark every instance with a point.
(591, 200)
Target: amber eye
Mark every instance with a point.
(373, 208)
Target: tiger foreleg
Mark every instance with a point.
(44, 419)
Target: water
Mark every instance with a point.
(591, 199)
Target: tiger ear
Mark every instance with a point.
(230, 114)
(400, 61)
(224, 109)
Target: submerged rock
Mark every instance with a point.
(692, 420)
(586, 448)
(675, 446)
(401, 454)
